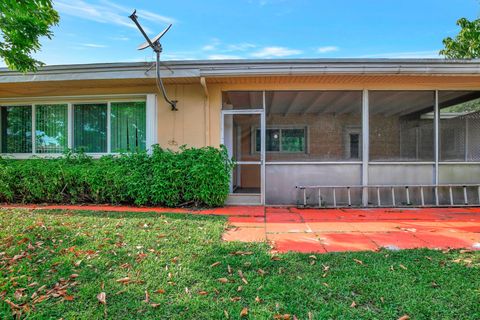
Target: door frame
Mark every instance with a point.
(260, 112)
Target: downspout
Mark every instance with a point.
(206, 107)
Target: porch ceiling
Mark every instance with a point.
(387, 103)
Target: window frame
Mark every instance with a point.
(280, 128)
(70, 123)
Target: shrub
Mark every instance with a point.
(189, 177)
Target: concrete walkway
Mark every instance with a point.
(333, 230)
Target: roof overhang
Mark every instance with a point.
(246, 68)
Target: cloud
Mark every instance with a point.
(404, 55)
(275, 52)
(94, 45)
(107, 12)
(223, 57)
(213, 45)
(327, 49)
(244, 46)
(120, 38)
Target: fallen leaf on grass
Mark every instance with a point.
(203, 293)
(73, 276)
(223, 280)
(155, 305)
(125, 280)
(102, 298)
(161, 291)
(12, 305)
(282, 317)
(358, 261)
(275, 258)
(68, 298)
(19, 294)
(215, 264)
(140, 257)
(353, 305)
(403, 267)
(257, 299)
(240, 273)
(235, 299)
(241, 253)
(244, 312)
(261, 272)
(229, 269)
(147, 297)
(404, 317)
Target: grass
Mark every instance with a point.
(179, 259)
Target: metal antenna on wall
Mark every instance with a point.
(157, 48)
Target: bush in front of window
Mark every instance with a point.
(193, 177)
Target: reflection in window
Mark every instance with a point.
(282, 140)
(90, 127)
(16, 129)
(51, 128)
(128, 126)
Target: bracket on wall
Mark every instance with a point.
(157, 48)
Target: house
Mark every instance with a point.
(405, 128)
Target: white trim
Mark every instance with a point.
(74, 98)
(365, 144)
(151, 122)
(270, 163)
(437, 133)
(70, 126)
(263, 132)
(401, 162)
(460, 162)
(34, 129)
(109, 127)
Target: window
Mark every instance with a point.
(353, 143)
(128, 126)
(16, 129)
(51, 128)
(282, 140)
(91, 127)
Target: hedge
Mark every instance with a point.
(189, 177)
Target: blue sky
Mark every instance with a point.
(99, 30)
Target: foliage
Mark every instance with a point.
(56, 264)
(466, 44)
(22, 24)
(465, 107)
(191, 176)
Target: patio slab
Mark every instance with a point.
(298, 242)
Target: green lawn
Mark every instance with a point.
(66, 259)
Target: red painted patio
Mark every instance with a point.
(336, 230)
(333, 230)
